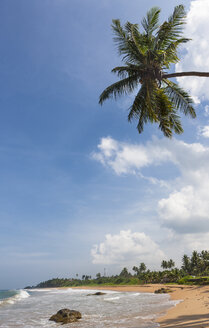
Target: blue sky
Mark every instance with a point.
(77, 181)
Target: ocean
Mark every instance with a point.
(33, 308)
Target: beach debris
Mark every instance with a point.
(163, 291)
(97, 294)
(66, 316)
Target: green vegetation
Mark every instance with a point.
(194, 270)
(146, 55)
(190, 280)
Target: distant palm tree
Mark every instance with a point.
(147, 55)
(171, 264)
(135, 269)
(142, 267)
(164, 264)
(195, 262)
(204, 260)
(124, 273)
(186, 266)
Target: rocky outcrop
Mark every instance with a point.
(66, 316)
(96, 294)
(163, 291)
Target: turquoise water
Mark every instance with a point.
(10, 297)
(33, 308)
(4, 294)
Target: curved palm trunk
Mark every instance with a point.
(193, 73)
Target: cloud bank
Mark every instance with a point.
(185, 208)
(127, 248)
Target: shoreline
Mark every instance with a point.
(191, 312)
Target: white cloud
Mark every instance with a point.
(204, 131)
(127, 248)
(197, 50)
(129, 158)
(185, 209)
(198, 243)
(206, 110)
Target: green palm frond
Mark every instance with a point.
(164, 126)
(138, 104)
(142, 120)
(129, 70)
(177, 19)
(175, 122)
(144, 102)
(171, 30)
(173, 46)
(140, 41)
(119, 88)
(120, 34)
(180, 98)
(122, 40)
(164, 109)
(151, 22)
(128, 28)
(169, 121)
(138, 109)
(125, 44)
(151, 90)
(171, 52)
(143, 107)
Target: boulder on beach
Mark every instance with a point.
(66, 316)
(163, 291)
(96, 294)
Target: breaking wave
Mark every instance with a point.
(18, 295)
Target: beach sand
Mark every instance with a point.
(191, 312)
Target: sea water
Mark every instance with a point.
(33, 308)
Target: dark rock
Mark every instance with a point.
(97, 294)
(66, 316)
(163, 291)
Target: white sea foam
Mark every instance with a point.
(21, 294)
(43, 289)
(146, 317)
(135, 294)
(112, 298)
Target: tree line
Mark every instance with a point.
(194, 270)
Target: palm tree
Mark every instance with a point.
(164, 264)
(171, 264)
(124, 273)
(142, 267)
(204, 260)
(146, 56)
(186, 266)
(135, 269)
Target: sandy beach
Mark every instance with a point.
(191, 312)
